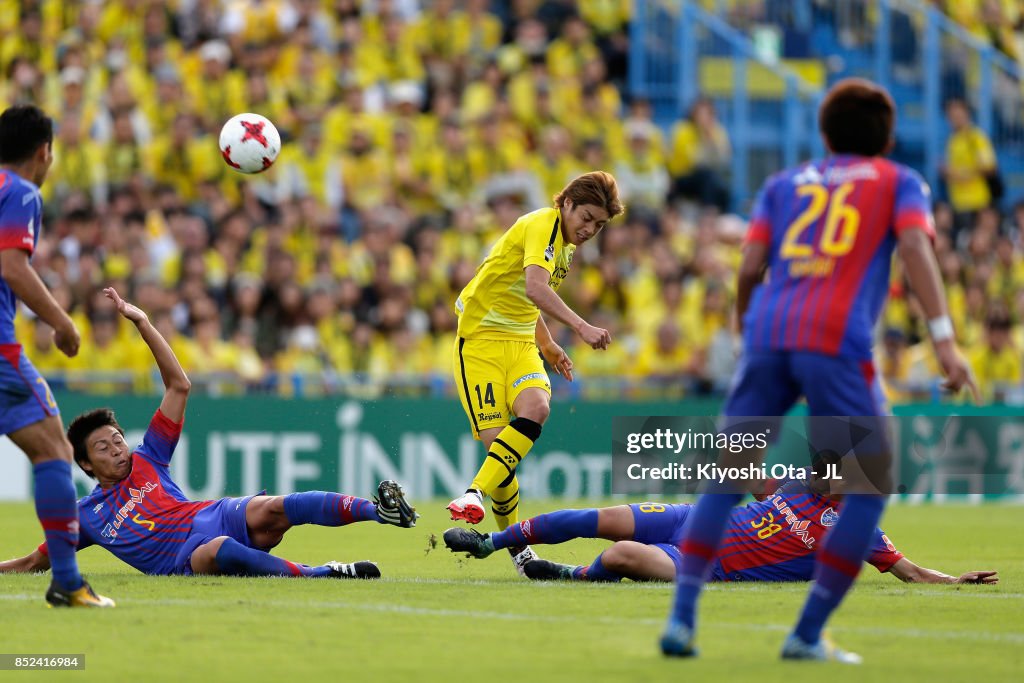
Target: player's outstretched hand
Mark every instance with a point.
(596, 337)
(133, 313)
(67, 339)
(558, 359)
(957, 371)
(979, 577)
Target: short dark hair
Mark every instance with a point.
(857, 117)
(23, 129)
(84, 425)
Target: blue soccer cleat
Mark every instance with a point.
(822, 651)
(677, 640)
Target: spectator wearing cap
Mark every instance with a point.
(643, 179)
(700, 158)
(996, 361)
(214, 88)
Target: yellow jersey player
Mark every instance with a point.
(499, 374)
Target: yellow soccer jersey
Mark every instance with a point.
(494, 304)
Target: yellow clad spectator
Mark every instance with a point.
(436, 32)
(308, 85)
(394, 57)
(483, 92)
(643, 179)
(969, 160)
(309, 168)
(554, 164)
(213, 88)
(665, 360)
(606, 16)
(258, 21)
(414, 173)
(351, 115)
(700, 157)
(480, 29)
(181, 159)
(27, 42)
(365, 172)
(300, 366)
(43, 353)
(77, 163)
(568, 54)
(996, 361)
(106, 364)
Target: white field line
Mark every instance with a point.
(917, 633)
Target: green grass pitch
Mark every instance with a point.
(437, 617)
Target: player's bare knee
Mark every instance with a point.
(204, 558)
(618, 559)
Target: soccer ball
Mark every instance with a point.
(249, 143)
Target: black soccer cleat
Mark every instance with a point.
(471, 541)
(392, 507)
(83, 597)
(354, 570)
(546, 570)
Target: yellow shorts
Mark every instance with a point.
(490, 375)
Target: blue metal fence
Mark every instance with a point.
(921, 55)
(680, 51)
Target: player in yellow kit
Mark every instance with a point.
(499, 374)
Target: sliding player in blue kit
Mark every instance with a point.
(824, 233)
(138, 513)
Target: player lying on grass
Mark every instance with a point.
(770, 540)
(139, 514)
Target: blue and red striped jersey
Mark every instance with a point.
(831, 227)
(776, 539)
(21, 216)
(145, 518)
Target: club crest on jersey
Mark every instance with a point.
(549, 253)
(829, 517)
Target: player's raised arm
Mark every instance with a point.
(908, 572)
(176, 382)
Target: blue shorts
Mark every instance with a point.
(770, 382)
(226, 517)
(25, 397)
(661, 525)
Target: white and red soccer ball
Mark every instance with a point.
(249, 143)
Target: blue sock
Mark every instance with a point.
(554, 527)
(596, 572)
(57, 510)
(839, 561)
(328, 509)
(239, 560)
(702, 534)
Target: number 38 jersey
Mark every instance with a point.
(776, 539)
(831, 227)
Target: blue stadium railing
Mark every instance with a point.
(922, 56)
(670, 45)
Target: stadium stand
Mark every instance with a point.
(415, 133)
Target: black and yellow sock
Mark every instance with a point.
(509, 448)
(505, 502)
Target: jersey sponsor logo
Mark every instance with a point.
(527, 378)
(798, 527)
(137, 496)
(549, 253)
(109, 532)
(143, 522)
(489, 416)
(829, 517)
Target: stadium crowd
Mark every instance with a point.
(415, 133)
